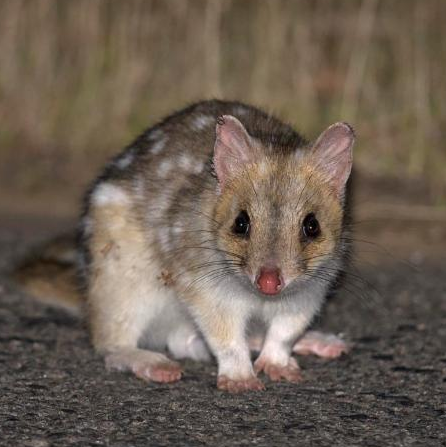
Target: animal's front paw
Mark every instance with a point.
(290, 372)
(240, 385)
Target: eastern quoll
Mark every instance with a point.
(219, 231)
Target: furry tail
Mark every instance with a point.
(49, 274)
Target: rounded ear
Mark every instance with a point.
(232, 149)
(334, 155)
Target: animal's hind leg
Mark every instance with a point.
(146, 365)
(124, 295)
(321, 344)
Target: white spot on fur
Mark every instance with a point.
(202, 121)
(164, 168)
(109, 194)
(240, 110)
(158, 147)
(185, 162)
(177, 228)
(124, 161)
(198, 168)
(87, 225)
(159, 142)
(155, 135)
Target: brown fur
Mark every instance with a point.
(160, 254)
(285, 242)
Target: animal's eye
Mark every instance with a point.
(310, 226)
(241, 224)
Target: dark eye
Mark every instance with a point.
(310, 226)
(241, 224)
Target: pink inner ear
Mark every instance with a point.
(233, 148)
(333, 150)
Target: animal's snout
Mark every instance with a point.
(269, 281)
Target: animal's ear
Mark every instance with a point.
(233, 148)
(334, 156)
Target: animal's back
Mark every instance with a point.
(169, 166)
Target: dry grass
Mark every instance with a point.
(78, 79)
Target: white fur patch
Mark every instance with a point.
(198, 168)
(155, 135)
(158, 146)
(158, 143)
(202, 121)
(164, 168)
(185, 162)
(108, 194)
(240, 110)
(177, 228)
(124, 161)
(87, 225)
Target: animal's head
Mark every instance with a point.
(280, 213)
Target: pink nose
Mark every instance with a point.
(269, 281)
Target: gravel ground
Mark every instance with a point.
(390, 390)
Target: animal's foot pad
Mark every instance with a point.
(239, 386)
(163, 372)
(290, 372)
(328, 346)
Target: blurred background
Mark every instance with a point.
(80, 79)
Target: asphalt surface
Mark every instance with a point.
(390, 390)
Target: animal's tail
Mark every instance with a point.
(49, 274)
